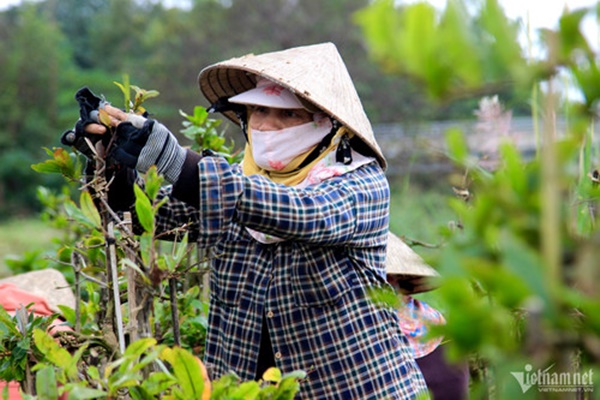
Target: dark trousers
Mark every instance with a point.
(445, 381)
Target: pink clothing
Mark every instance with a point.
(12, 298)
(415, 318)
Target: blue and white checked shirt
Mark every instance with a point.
(311, 287)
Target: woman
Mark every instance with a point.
(409, 275)
(298, 230)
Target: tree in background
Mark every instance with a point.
(34, 55)
(52, 48)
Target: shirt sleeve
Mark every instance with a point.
(349, 209)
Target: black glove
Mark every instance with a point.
(152, 143)
(89, 104)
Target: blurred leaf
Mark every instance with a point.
(458, 149)
(571, 39)
(85, 393)
(46, 384)
(249, 391)
(502, 49)
(458, 39)
(384, 297)
(272, 375)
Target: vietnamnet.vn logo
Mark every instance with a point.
(548, 381)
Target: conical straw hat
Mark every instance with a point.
(414, 273)
(314, 73)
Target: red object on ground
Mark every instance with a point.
(12, 298)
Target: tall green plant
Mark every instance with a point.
(520, 278)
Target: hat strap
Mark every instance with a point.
(321, 147)
(223, 105)
(343, 154)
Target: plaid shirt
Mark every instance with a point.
(311, 287)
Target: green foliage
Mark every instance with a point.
(205, 135)
(519, 285)
(192, 323)
(16, 342)
(274, 385)
(141, 95)
(451, 54)
(28, 99)
(128, 373)
(187, 371)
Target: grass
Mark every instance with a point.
(21, 235)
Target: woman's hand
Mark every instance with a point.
(115, 117)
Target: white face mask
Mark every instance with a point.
(274, 150)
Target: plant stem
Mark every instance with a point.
(550, 204)
(174, 311)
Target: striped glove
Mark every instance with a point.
(141, 144)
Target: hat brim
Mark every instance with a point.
(413, 273)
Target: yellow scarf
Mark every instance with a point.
(290, 175)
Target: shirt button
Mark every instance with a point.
(278, 355)
(270, 314)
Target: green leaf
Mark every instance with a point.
(76, 214)
(126, 262)
(141, 95)
(287, 389)
(144, 210)
(272, 375)
(84, 393)
(187, 370)
(298, 374)
(158, 382)
(62, 162)
(68, 313)
(146, 247)
(93, 372)
(181, 250)
(51, 350)
(153, 182)
(139, 347)
(247, 391)
(89, 210)
(457, 145)
(458, 45)
(126, 90)
(46, 384)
